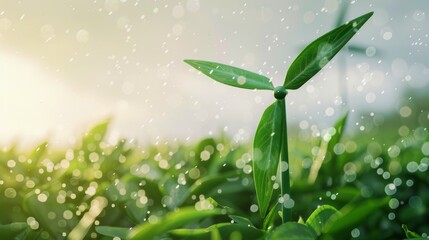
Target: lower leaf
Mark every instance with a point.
(266, 154)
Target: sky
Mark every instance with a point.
(66, 65)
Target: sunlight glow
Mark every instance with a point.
(35, 105)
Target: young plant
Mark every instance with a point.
(270, 141)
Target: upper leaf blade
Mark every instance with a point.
(316, 55)
(232, 76)
(266, 153)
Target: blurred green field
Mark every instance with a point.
(378, 176)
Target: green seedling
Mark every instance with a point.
(270, 146)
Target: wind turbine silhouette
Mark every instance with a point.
(351, 49)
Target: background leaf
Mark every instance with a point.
(266, 153)
(326, 154)
(171, 221)
(293, 231)
(319, 219)
(241, 220)
(353, 214)
(39, 210)
(112, 231)
(269, 220)
(207, 183)
(11, 230)
(316, 55)
(232, 76)
(410, 234)
(222, 230)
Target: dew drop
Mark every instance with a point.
(10, 193)
(419, 15)
(370, 51)
(82, 36)
(32, 222)
(11, 163)
(387, 35)
(425, 148)
(393, 203)
(355, 233)
(412, 167)
(178, 11)
(390, 189)
(241, 80)
(254, 208)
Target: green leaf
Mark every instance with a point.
(11, 230)
(207, 183)
(266, 153)
(353, 215)
(293, 231)
(320, 218)
(215, 234)
(93, 138)
(318, 53)
(171, 221)
(336, 136)
(178, 193)
(326, 154)
(39, 210)
(232, 76)
(207, 144)
(112, 231)
(226, 231)
(110, 163)
(271, 217)
(241, 220)
(410, 234)
(137, 214)
(38, 153)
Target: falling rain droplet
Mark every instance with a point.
(390, 189)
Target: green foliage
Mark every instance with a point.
(113, 231)
(318, 53)
(170, 221)
(320, 218)
(232, 76)
(293, 231)
(266, 154)
(136, 191)
(12, 230)
(411, 234)
(270, 141)
(377, 180)
(326, 154)
(353, 214)
(220, 231)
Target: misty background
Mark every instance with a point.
(66, 65)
